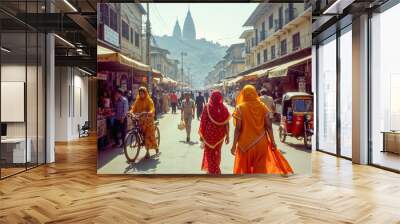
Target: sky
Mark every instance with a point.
(219, 22)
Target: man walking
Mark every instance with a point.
(206, 95)
(174, 102)
(120, 110)
(199, 105)
(187, 114)
(268, 101)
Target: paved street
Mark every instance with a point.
(178, 157)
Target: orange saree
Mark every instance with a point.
(146, 122)
(254, 150)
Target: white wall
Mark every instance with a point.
(71, 103)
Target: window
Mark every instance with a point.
(273, 52)
(303, 105)
(104, 14)
(256, 36)
(125, 30)
(271, 21)
(262, 33)
(280, 17)
(113, 20)
(137, 39)
(327, 128)
(346, 94)
(132, 35)
(258, 58)
(252, 42)
(385, 88)
(265, 55)
(283, 47)
(296, 41)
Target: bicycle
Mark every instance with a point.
(134, 138)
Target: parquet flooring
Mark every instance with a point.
(70, 191)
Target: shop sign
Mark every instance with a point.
(302, 84)
(102, 76)
(111, 36)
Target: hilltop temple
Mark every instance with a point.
(189, 30)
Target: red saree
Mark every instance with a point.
(212, 131)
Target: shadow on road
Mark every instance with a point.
(189, 143)
(107, 155)
(144, 164)
(299, 147)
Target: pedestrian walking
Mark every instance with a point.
(187, 114)
(268, 101)
(174, 101)
(206, 95)
(165, 102)
(121, 107)
(144, 104)
(214, 128)
(200, 103)
(254, 146)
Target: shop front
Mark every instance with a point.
(116, 72)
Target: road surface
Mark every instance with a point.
(178, 157)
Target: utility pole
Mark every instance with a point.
(190, 78)
(182, 76)
(148, 58)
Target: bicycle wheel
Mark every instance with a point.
(131, 146)
(157, 138)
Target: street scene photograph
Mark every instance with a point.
(204, 88)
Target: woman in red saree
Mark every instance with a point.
(214, 128)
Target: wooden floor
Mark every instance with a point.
(69, 191)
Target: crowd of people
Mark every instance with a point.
(253, 145)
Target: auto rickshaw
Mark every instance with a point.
(297, 117)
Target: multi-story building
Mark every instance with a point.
(120, 29)
(161, 62)
(248, 36)
(280, 34)
(131, 31)
(234, 58)
(108, 27)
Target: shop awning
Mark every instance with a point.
(254, 75)
(234, 80)
(107, 55)
(281, 70)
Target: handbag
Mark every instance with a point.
(181, 125)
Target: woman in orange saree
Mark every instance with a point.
(214, 127)
(144, 104)
(254, 146)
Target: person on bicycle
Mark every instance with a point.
(145, 106)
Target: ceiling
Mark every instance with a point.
(74, 21)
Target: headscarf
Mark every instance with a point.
(143, 105)
(251, 111)
(248, 93)
(217, 111)
(213, 120)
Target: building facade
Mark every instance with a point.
(131, 31)
(161, 62)
(277, 30)
(279, 46)
(235, 61)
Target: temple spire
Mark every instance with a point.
(189, 30)
(177, 33)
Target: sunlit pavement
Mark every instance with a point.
(178, 157)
